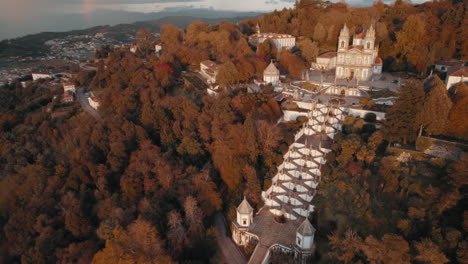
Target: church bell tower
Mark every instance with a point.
(343, 40)
(369, 41)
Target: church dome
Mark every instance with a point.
(244, 207)
(306, 228)
(271, 70)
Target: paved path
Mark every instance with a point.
(85, 104)
(231, 253)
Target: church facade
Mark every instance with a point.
(358, 61)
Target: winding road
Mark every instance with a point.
(231, 253)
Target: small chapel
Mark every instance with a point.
(358, 61)
(271, 74)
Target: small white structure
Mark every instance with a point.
(94, 102)
(133, 48)
(157, 48)
(271, 74)
(209, 70)
(41, 75)
(460, 75)
(69, 87)
(244, 214)
(305, 235)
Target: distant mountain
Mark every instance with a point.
(33, 45)
(66, 22)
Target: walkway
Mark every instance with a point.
(230, 252)
(85, 104)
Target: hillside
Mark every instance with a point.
(33, 45)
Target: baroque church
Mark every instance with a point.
(358, 61)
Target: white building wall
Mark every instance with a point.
(451, 80)
(38, 76)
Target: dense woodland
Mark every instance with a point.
(378, 206)
(143, 185)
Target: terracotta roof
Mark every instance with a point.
(271, 70)
(329, 54)
(378, 60)
(306, 228)
(360, 36)
(68, 84)
(274, 35)
(463, 71)
(209, 64)
(95, 99)
(355, 47)
(244, 207)
(448, 63)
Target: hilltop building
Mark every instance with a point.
(271, 74)
(358, 61)
(280, 40)
(209, 70)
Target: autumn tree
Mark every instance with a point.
(309, 49)
(193, 215)
(170, 36)
(319, 32)
(401, 121)
(228, 74)
(429, 252)
(145, 36)
(177, 234)
(412, 40)
(436, 108)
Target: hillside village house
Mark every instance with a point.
(271, 74)
(209, 70)
(358, 61)
(280, 40)
(133, 48)
(459, 75)
(68, 97)
(41, 75)
(94, 102)
(69, 87)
